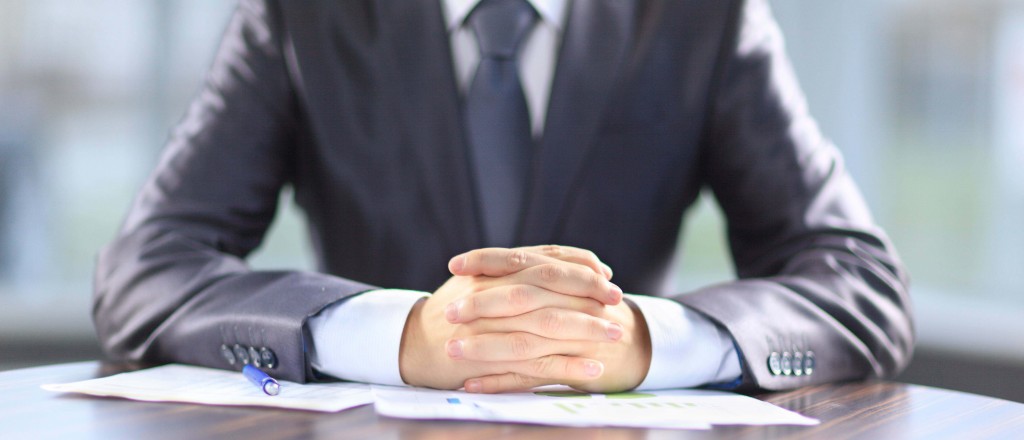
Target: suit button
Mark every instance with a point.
(227, 354)
(787, 363)
(242, 354)
(255, 356)
(809, 363)
(268, 357)
(773, 364)
(798, 363)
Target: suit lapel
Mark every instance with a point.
(425, 100)
(597, 39)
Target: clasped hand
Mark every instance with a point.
(514, 319)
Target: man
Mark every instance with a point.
(432, 141)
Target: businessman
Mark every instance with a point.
(493, 192)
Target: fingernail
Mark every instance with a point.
(607, 270)
(615, 293)
(455, 349)
(593, 369)
(614, 330)
(451, 311)
(473, 386)
(456, 264)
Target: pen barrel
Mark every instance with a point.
(265, 383)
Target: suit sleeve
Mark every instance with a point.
(821, 295)
(174, 285)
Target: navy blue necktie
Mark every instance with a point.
(497, 120)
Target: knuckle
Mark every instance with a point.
(474, 303)
(515, 259)
(519, 381)
(542, 367)
(518, 297)
(590, 255)
(553, 250)
(520, 345)
(552, 321)
(551, 272)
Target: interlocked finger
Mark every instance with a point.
(515, 346)
(507, 382)
(569, 279)
(572, 255)
(553, 324)
(538, 372)
(513, 300)
(497, 262)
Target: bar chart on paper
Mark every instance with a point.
(576, 407)
(616, 403)
(673, 409)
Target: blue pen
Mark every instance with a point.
(266, 383)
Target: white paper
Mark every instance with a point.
(671, 409)
(189, 384)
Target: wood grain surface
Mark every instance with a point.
(874, 410)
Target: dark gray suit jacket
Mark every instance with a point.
(354, 104)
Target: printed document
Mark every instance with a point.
(189, 384)
(557, 405)
(670, 409)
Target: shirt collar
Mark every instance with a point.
(552, 11)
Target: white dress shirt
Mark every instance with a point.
(359, 338)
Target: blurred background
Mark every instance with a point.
(924, 97)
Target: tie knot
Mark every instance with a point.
(500, 26)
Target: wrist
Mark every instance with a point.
(641, 345)
(411, 349)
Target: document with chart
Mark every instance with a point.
(670, 409)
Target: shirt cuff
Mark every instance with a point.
(687, 349)
(358, 339)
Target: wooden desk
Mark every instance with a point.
(876, 410)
